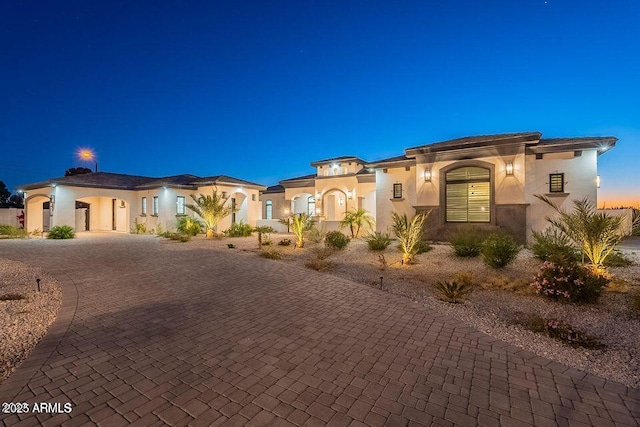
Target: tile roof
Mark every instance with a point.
(338, 159)
(477, 141)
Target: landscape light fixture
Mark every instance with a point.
(427, 175)
(509, 168)
(38, 282)
(86, 154)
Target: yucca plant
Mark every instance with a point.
(211, 208)
(595, 234)
(355, 220)
(409, 233)
(453, 291)
(299, 225)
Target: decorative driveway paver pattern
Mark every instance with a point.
(166, 333)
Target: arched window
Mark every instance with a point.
(468, 195)
(311, 206)
(268, 205)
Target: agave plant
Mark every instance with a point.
(299, 225)
(409, 233)
(211, 208)
(355, 220)
(453, 291)
(596, 234)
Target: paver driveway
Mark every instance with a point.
(165, 333)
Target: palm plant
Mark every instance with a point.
(355, 219)
(596, 234)
(211, 208)
(409, 233)
(263, 229)
(300, 224)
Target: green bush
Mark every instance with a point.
(336, 240)
(560, 331)
(11, 232)
(138, 227)
(552, 245)
(467, 241)
(239, 229)
(189, 226)
(617, 259)
(271, 254)
(568, 283)
(61, 232)
(284, 242)
(498, 250)
(378, 241)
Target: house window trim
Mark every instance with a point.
(156, 206)
(268, 209)
(443, 190)
(180, 211)
(395, 194)
(551, 188)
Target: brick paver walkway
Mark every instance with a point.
(164, 333)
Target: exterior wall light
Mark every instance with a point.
(597, 181)
(341, 201)
(349, 194)
(427, 175)
(509, 168)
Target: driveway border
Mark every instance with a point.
(19, 379)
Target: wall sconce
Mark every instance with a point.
(349, 194)
(427, 175)
(286, 211)
(341, 201)
(597, 181)
(318, 195)
(509, 168)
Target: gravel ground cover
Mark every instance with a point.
(500, 297)
(25, 313)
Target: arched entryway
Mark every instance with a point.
(303, 203)
(334, 204)
(38, 212)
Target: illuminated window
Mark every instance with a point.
(155, 205)
(556, 183)
(397, 191)
(180, 205)
(468, 195)
(144, 206)
(311, 206)
(268, 207)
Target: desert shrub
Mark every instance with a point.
(189, 226)
(231, 246)
(464, 278)
(510, 284)
(138, 227)
(467, 241)
(378, 241)
(160, 231)
(559, 330)
(12, 297)
(11, 232)
(423, 247)
(452, 291)
(271, 254)
(617, 259)
(320, 259)
(336, 240)
(568, 283)
(317, 234)
(498, 250)
(284, 242)
(552, 245)
(239, 229)
(178, 237)
(61, 232)
(635, 225)
(409, 233)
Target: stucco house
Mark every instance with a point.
(105, 201)
(489, 181)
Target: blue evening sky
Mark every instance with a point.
(259, 89)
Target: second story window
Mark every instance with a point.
(556, 183)
(180, 205)
(397, 191)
